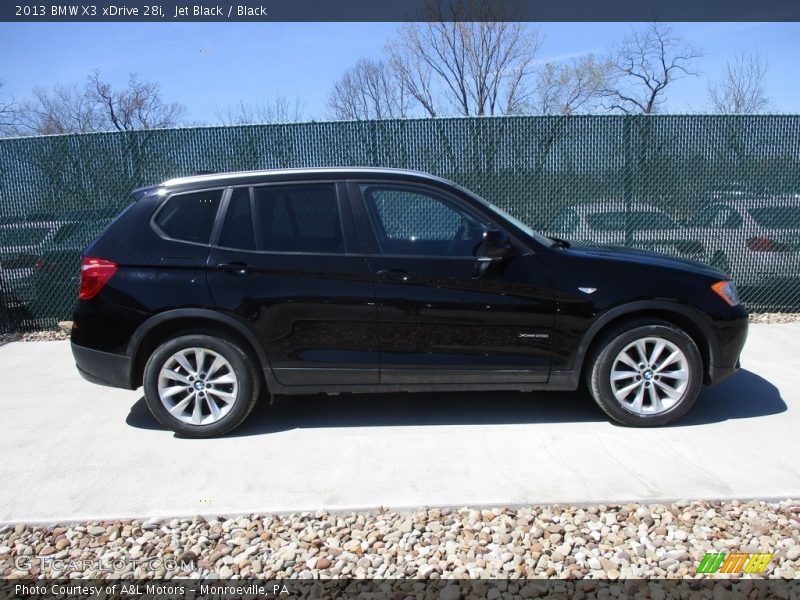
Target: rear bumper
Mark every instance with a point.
(103, 368)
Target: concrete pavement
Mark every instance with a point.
(73, 450)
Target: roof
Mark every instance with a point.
(244, 177)
(613, 206)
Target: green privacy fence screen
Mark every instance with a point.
(720, 189)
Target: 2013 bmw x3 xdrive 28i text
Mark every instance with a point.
(208, 290)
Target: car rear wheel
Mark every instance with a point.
(200, 385)
(645, 373)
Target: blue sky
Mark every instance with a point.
(206, 66)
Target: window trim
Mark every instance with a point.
(223, 201)
(220, 224)
(341, 204)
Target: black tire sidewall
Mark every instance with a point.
(242, 367)
(600, 383)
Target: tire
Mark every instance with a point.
(204, 403)
(674, 379)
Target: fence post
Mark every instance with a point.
(629, 170)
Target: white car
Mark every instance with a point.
(754, 239)
(615, 223)
(20, 246)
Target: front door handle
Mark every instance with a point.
(393, 275)
(238, 268)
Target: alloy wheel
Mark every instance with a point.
(649, 376)
(197, 386)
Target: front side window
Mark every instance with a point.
(299, 218)
(409, 221)
(189, 217)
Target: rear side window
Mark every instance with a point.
(299, 218)
(777, 217)
(189, 217)
(717, 217)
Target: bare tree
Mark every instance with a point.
(278, 110)
(94, 106)
(64, 108)
(740, 90)
(7, 112)
(468, 56)
(564, 89)
(369, 90)
(138, 106)
(644, 65)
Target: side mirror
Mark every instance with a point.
(496, 244)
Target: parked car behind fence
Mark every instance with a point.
(616, 223)
(755, 239)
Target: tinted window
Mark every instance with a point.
(299, 218)
(566, 220)
(635, 220)
(190, 217)
(410, 221)
(777, 217)
(717, 217)
(19, 236)
(78, 235)
(238, 230)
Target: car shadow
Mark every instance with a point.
(745, 395)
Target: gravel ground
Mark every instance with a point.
(633, 540)
(774, 317)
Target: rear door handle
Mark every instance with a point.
(392, 275)
(238, 268)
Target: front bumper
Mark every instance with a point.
(731, 336)
(718, 374)
(103, 368)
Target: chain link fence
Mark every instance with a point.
(720, 189)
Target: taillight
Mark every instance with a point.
(95, 272)
(764, 244)
(43, 265)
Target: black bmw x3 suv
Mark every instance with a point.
(209, 290)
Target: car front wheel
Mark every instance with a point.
(200, 385)
(645, 373)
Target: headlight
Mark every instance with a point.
(727, 291)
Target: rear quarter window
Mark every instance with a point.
(189, 217)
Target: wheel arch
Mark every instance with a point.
(166, 325)
(688, 319)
